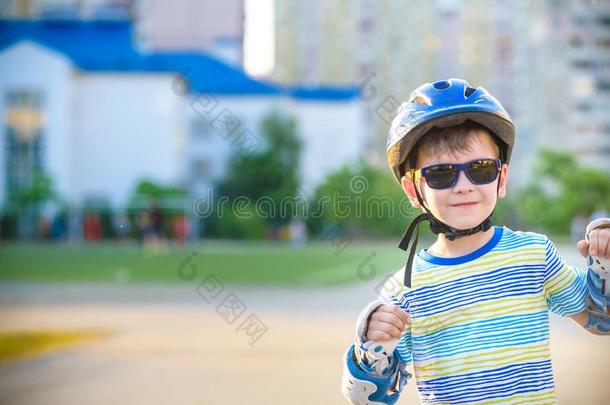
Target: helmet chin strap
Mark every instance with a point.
(436, 227)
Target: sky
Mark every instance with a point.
(259, 37)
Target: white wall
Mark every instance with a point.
(106, 131)
(219, 146)
(127, 127)
(25, 66)
(333, 134)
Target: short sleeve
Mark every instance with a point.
(564, 286)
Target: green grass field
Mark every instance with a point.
(232, 262)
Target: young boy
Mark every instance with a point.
(471, 311)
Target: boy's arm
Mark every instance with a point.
(373, 371)
(596, 248)
(373, 374)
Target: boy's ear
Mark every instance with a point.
(409, 189)
(503, 181)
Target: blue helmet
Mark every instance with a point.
(443, 104)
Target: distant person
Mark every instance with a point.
(156, 219)
(298, 233)
(121, 226)
(180, 229)
(59, 227)
(143, 224)
(152, 225)
(92, 227)
(471, 312)
(44, 226)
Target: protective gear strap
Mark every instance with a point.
(377, 357)
(414, 227)
(598, 284)
(597, 318)
(404, 244)
(598, 290)
(362, 388)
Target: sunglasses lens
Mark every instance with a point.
(441, 176)
(482, 171)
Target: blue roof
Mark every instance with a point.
(327, 93)
(107, 45)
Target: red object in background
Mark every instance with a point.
(44, 227)
(92, 227)
(180, 228)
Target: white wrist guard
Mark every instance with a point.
(360, 387)
(375, 357)
(598, 284)
(379, 356)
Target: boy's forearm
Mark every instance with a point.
(373, 372)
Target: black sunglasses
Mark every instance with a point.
(479, 171)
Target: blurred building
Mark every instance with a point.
(588, 129)
(179, 25)
(66, 9)
(81, 103)
(214, 27)
(546, 61)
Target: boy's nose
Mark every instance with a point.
(463, 182)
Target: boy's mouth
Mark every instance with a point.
(465, 204)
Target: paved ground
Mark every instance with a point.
(168, 345)
(179, 350)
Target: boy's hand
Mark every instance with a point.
(386, 323)
(598, 243)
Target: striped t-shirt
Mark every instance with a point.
(480, 323)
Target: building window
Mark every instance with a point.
(603, 85)
(603, 43)
(60, 9)
(201, 169)
(24, 126)
(200, 128)
(582, 64)
(25, 179)
(604, 20)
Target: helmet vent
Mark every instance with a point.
(469, 91)
(443, 84)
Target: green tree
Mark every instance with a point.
(364, 200)
(24, 202)
(152, 190)
(40, 190)
(272, 172)
(559, 190)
